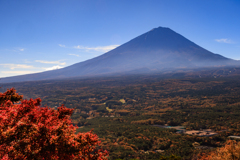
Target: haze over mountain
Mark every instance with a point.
(157, 50)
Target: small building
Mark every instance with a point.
(159, 151)
(201, 133)
(234, 137)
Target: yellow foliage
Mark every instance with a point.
(231, 151)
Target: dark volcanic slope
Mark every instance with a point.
(158, 49)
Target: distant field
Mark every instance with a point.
(123, 110)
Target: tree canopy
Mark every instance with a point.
(29, 131)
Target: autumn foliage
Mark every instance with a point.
(230, 151)
(29, 131)
(10, 95)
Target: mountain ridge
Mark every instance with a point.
(156, 50)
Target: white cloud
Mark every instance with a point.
(14, 73)
(61, 45)
(74, 55)
(16, 49)
(53, 68)
(17, 72)
(99, 48)
(16, 66)
(51, 62)
(224, 40)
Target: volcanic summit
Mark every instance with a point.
(157, 50)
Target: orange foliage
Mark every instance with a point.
(231, 151)
(29, 131)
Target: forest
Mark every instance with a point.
(135, 115)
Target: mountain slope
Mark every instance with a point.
(156, 50)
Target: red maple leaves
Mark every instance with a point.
(28, 131)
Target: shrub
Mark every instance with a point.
(29, 131)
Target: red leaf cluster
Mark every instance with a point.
(11, 95)
(29, 131)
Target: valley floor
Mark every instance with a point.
(131, 114)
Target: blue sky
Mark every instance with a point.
(40, 35)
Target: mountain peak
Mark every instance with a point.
(157, 50)
(160, 28)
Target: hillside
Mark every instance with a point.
(158, 50)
